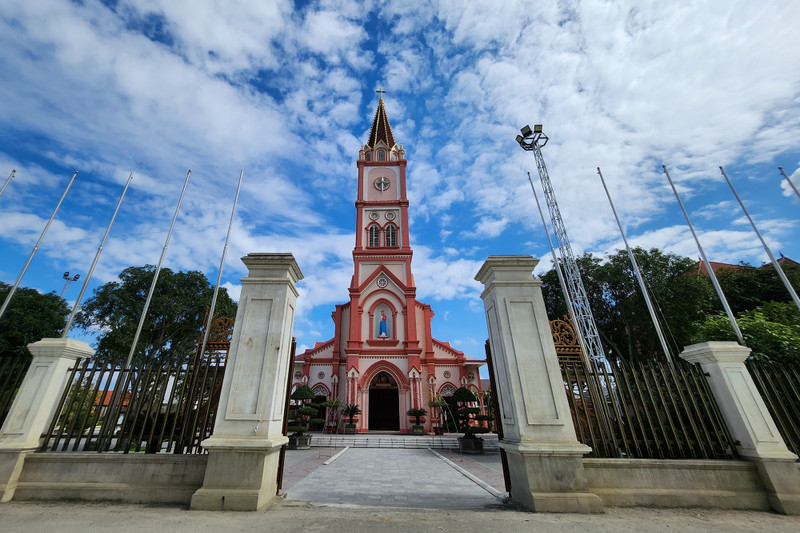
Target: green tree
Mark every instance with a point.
(771, 331)
(29, 317)
(468, 412)
(302, 413)
(623, 321)
(748, 287)
(174, 321)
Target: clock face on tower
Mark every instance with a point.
(382, 183)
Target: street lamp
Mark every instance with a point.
(76, 277)
(530, 137)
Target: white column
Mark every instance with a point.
(544, 456)
(749, 421)
(35, 405)
(241, 474)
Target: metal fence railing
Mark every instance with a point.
(646, 410)
(12, 372)
(779, 385)
(153, 409)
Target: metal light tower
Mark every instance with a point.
(76, 277)
(532, 141)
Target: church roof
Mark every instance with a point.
(381, 130)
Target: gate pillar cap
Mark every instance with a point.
(518, 268)
(273, 266)
(715, 352)
(58, 347)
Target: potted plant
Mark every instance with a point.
(416, 413)
(350, 410)
(467, 414)
(300, 416)
(437, 405)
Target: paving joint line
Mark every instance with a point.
(332, 459)
(500, 496)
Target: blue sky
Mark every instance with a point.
(286, 91)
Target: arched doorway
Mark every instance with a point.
(384, 403)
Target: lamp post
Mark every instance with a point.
(532, 140)
(76, 277)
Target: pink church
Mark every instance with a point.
(382, 356)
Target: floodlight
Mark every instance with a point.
(537, 128)
(526, 131)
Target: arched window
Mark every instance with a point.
(394, 157)
(369, 156)
(391, 235)
(374, 236)
(381, 156)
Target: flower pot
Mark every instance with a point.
(299, 442)
(349, 429)
(417, 429)
(438, 430)
(470, 445)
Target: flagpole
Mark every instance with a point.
(11, 177)
(36, 247)
(638, 273)
(221, 266)
(94, 262)
(155, 275)
(710, 270)
(764, 243)
(792, 185)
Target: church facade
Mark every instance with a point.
(383, 357)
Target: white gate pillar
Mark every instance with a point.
(749, 421)
(545, 458)
(242, 469)
(35, 405)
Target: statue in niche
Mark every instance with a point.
(382, 326)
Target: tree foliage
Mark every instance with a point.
(174, 321)
(747, 287)
(686, 303)
(468, 413)
(29, 317)
(771, 331)
(302, 412)
(623, 321)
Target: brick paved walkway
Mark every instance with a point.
(391, 477)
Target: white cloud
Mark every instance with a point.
(286, 93)
(489, 227)
(787, 188)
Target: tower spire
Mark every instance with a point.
(381, 130)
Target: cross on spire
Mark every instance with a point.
(381, 92)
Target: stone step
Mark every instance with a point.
(395, 441)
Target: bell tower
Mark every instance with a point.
(382, 252)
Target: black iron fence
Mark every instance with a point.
(646, 410)
(779, 385)
(12, 372)
(153, 409)
(156, 407)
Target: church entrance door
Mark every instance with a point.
(384, 403)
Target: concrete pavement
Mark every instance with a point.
(387, 471)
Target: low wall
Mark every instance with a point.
(676, 483)
(157, 478)
(131, 478)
